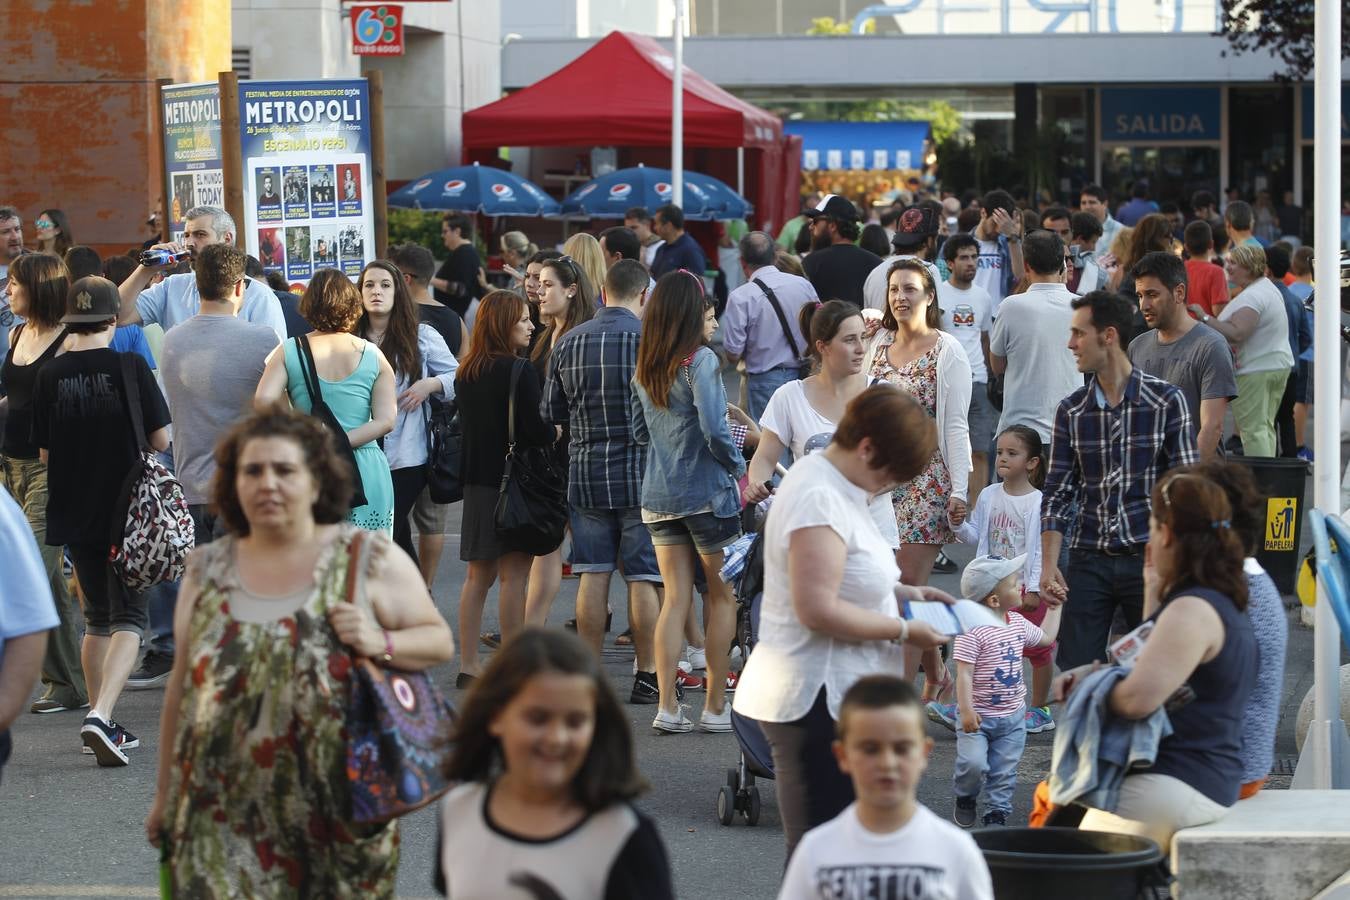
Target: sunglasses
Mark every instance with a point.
(45, 223)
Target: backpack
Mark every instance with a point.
(153, 532)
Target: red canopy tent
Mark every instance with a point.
(619, 93)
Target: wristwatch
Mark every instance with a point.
(1205, 318)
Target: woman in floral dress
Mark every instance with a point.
(911, 352)
(252, 795)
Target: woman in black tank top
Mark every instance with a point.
(1199, 663)
(38, 283)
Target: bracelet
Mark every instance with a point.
(388, 647)
(904, 632)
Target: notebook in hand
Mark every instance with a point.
(954, 618)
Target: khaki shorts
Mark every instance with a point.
(429, 517)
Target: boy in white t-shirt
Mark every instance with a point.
(885, 844)
(990, 692)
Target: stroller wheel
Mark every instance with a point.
(733, 780)
(752, 808)
(726, 805)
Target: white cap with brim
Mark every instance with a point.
(983, 573)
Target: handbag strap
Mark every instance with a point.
(131, 388)
(511, 404)
(358, 552)
(782, 318)
(308, 371)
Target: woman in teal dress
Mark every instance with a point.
(357, 383)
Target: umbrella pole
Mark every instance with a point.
(740, 171)
(1325, 761)
(677, 111)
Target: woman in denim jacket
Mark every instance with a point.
(690, 501)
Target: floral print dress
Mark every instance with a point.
(258, 803)
(920, 504)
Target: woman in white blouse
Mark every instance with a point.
(911, 352)
(832, 594)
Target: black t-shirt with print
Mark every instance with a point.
(461, 270)
(81, 418)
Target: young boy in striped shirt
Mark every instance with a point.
(990, 692)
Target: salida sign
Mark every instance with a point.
(1160, 115)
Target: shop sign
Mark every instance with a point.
(1152, 115)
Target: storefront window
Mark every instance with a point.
(1260, 140)
(1173, 173)
(1067, 111)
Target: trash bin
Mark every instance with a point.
(1045, 863)
(1283, 481)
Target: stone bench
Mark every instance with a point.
(1278, 845)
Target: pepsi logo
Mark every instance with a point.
(663, 189)
(421, 184)
(503, 191)
(620, 190)
(455, 186)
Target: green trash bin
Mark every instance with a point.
(1283, 482)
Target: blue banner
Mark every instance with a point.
(861, 145)
(1310, 112)
(193, 175)
(1161, 115)
(307, 175)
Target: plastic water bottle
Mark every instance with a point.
(161, 257)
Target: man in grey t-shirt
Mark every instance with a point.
(1180, 350)
(211, 365)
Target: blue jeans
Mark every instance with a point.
(990, 757)
(603, 538)
(1098, 583)
(760, 387)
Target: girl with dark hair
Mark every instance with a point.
(874, 240)
(357, 384)
(690, 500)
(423, 368)
(53, 232)
(1006, 523)
(37, 287)
(501, 333)
(1200, 661)
(545, 757)
(911, 352)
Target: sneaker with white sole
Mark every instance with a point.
(688, 680)
(698, 659)
(105, 739)
(942, 713)
(963, 812)
(733, 679)
(716, 723)
(45, 705)
(668, 723)
(126, 740)
(1039, 720)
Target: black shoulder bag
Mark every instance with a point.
(445, 448)
(319, 410)
(531, 512)
(803, 363)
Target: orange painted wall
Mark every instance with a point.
(77, 104)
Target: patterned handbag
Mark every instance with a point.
(152, 530)
(399, 727)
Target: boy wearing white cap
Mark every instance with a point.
(990, 692)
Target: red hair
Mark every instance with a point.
(498, 313)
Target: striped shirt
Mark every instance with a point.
(996, 654)
(1104, 461)
(588, 389)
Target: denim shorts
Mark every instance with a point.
(604, 538)
(708, 533)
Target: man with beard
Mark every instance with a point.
(836, 266)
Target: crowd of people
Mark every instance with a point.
(1050, 386)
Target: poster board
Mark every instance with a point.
(193, 168)
(307, 175)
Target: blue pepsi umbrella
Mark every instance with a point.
(475, 188)
(610, 196)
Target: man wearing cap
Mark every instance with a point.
(760, 324)
(837, 266)
(916, 237)
(85, 435)
(175, 299)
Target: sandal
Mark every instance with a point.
(624, 638)
(492, 639)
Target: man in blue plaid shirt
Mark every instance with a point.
(588, 389)
(1113, 439)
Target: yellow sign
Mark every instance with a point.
(1281, 517)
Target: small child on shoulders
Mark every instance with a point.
(990, 691)
(885, 844)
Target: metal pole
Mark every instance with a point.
(740, 171)
(1325, 761)
(677, 111)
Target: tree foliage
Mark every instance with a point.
(1282, 28)
(826, 25)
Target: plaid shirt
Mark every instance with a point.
(588, 389)
(1106, 460)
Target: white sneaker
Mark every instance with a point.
(672, 724)
(698, 658)
(716, 723)
(684, 666)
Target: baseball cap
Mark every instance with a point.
(833, 206)
(915, 225)
(983, 573)
(91, 299)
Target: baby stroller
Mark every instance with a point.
(740, 794)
